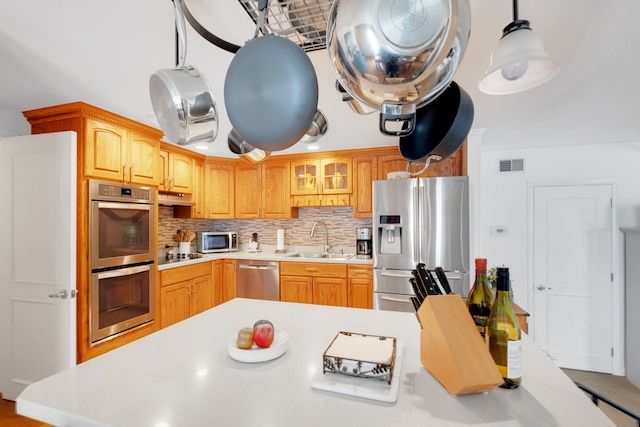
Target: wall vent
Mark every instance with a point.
(511, 165)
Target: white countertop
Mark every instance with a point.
(266, 255)
(183, 376)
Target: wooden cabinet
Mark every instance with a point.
(316, 283)
(393, 162)
(326, 182)
(115, 153)
(262, 190)
(176, 172)
(199, 209)
(370, 167)
(184, 292)
(365, 171)
(227, 289)
(110, 147)
(219, 189)
(360, 286)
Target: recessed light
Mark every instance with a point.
(202, 147)
(312, 147)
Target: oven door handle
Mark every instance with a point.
(124, 271)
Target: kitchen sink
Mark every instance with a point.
(320, 255)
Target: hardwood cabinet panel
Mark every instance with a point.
(176, 303)
(105, 150)
(219, 190)
(275, 200)
(360, 286)
(199, 209)
(317, 283)
(185, 291)
(365, 172)
(142, 161)
(296, 289)
(313, 269)
(330, 291)
(201, 294)
(228, 286)
(262, 191)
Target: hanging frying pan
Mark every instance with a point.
(441, 126)
(181, 97)
(270, 90)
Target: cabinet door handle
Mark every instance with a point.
(124, 173)
(131, 174)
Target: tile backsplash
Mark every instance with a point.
(341, 227)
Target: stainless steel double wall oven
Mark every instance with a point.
(122, 246)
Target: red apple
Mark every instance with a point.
(263, 333)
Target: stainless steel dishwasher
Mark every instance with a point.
(258, 279)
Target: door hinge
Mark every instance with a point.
(611, 351)
(611, 201)
(612, 277)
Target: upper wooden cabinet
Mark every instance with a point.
(219, 189)
(110, 146)
(365, 172)
(262, 190)
(176, 172)
(394, 162)
(371, 167)
(327, 176)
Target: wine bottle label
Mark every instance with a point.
(514, 359)
(481, 323)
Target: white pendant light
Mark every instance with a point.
(518, 62)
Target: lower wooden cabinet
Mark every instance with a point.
(313, 283)
(184, 292)
(360, 286)
(227, 289)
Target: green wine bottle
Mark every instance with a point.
(480, 298)
(504, 333)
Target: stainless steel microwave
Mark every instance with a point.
(216, 241)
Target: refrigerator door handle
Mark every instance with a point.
(385, 298)
(401, 275)
(416, 214)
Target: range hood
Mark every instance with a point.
(175, 199)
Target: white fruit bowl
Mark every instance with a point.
(257, 354)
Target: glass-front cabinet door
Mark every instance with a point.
(305, 178)
(336, 176)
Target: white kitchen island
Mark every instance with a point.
(183, 376)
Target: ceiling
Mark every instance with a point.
(103, 53)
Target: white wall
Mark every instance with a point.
(502, 199)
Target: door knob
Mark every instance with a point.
(62, 294)
(542, 288)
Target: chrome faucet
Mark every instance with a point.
(313, 229)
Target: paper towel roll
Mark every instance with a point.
(280, 239)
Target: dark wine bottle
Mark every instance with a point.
(504, 334)
(480, 298)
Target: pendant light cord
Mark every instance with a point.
(515, 10)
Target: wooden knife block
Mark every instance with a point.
(451, 347)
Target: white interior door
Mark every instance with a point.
(573, 275)
(37, 258)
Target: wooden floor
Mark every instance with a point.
(615, 388)
(9, 418)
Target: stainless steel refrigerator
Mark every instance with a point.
(418, 220)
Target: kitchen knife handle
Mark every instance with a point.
(436, 283)
(443, 280)
(431, 287)
(416, 290)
